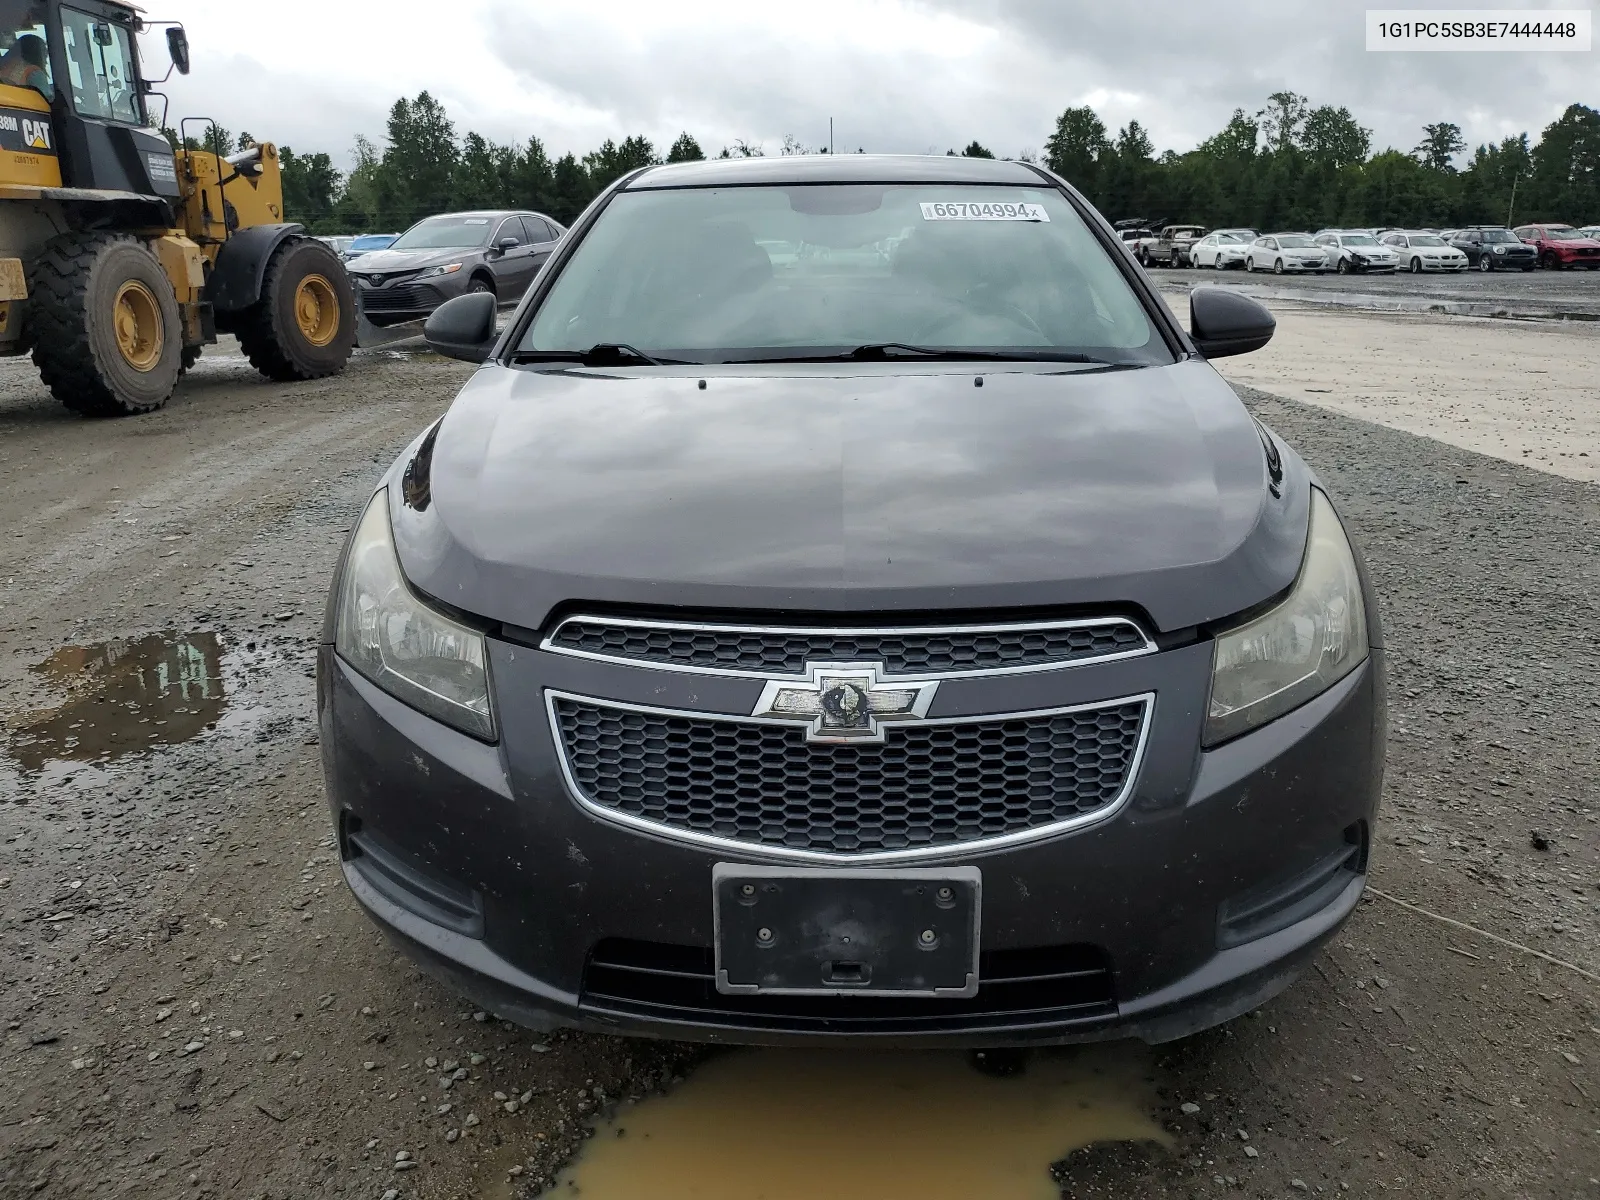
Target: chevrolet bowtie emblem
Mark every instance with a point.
(845, 702)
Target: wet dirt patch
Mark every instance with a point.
(123, 696)
(862, 1125)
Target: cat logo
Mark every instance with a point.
(36, 134)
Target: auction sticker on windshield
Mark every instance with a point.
(961, 210)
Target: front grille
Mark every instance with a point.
(768, 651)
(408, 298)
(1016, 989)
(925, 786)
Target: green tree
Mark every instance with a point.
(311, 187)
(533, 178)
(416, 176)
(1439, 145)
(976, 150)
(1566, 168)
(685, 149)
(613, 160)
(1282, 119)
(1331, 137)
(1077, 147)
(483, 174)
(570, 190)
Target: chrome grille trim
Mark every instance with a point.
(761, 850)
(551, 644)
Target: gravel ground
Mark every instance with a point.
(193, 1005)
(1543, 295)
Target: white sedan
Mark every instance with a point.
(1425, 252)
(1223, 249)
(1356, 251)
(1282, 253)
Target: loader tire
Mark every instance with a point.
(304, 324)
(104, 324)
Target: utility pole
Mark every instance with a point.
(1513, 208)
(830, 135)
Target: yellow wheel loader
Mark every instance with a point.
(120, 257)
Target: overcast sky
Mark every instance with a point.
(905, 76)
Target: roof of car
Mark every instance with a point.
(477, 212)
(836, 168)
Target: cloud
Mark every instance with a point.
(895, 75)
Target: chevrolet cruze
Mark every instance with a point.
(907, 637)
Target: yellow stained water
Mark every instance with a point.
(863, 1125)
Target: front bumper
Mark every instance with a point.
(1197, 901)
(409, 300)
(1446, 265)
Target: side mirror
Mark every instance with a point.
(178, 48)
(507, 243)
(1222, 322)
(463, 328)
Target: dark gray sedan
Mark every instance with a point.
(847, 604)
(497, 253)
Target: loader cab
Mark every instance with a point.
(92, 92)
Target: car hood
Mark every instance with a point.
(798, 489)
(392, 262)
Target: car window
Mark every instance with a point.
(1297, 241)
(692, 273)
(511, 227)
(445, 233)
(538, 229)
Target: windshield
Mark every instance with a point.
(1358, 239)
(729, 274)
(373, 241)
(1562, 233)
(446, 233)
(1498, 235)
(1237, 235)
(1426, 239)
(1295, 241)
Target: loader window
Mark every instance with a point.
(25, 61)
(100, 61)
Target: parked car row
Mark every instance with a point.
(1372, 251)
(348, 247)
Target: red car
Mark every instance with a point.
(1561, 246)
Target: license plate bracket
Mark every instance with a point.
(846, 930)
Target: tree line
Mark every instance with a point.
(1287, 166)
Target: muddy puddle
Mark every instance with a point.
(123, 696)
(864, 1125)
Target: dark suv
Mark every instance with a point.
(450, 255)
(1493, 248)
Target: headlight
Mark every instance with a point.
(1305, 645)
(1499, 249)
(435, 272)
(417, 655)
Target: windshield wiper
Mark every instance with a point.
(896, 351)
(601, 354)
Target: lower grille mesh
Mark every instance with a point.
(1017, 989)
(927, 785)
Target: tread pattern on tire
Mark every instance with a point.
(58, 315)
(263, 333)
